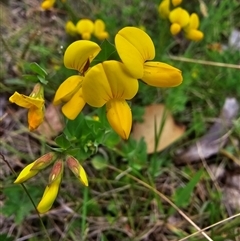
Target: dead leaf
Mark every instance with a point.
(52, 124)
(203, 8)
(157, 115)
(214, 139)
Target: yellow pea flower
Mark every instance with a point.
(77, 169)
(164, 9)
(99, 30)
(34, 103)
(179, 18)
(33, 168)
(85, 28)
(191, 30)
(52, 188)
(77, 56)
(109, 83)
(70, 28)
(135, 48)
(47, 4)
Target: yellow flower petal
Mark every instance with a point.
(49, 195)
(85, 28)
(134, 47)
(176, 2)
(119, 116)
(106, 81)
(195, 35)
(164, 9)
(175, 28)
(74, 106)
(47, 4)
(35, 117)
(70, 28)
(26, 173)
(180, 16)
(26, 101)
(67, 89)
(161, 75)
(79, 53)
(99, 30)
(193, 22)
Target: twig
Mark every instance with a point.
(205, 62)
(211, 226)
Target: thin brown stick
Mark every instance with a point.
(211, 226)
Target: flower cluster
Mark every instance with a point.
(111, 82)
(86, 27)
(34, 103)
(55, 176)
(180, 19)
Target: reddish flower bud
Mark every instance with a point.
(56, 172)
(77, 169)
(44, 161)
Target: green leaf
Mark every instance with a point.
(38, 70)
(107, 50)
(99, 163)
(5, 237)
(30, 77)
(136, 153)
(17, 202)
(62, 141)
(183, 194)
(42, 80)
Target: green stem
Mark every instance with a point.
(84, 212)
(29, 196)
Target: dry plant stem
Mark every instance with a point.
(7, 48)
(230, 156)
(29, 196)
(211, 226)
(162, 196)
(233, 66)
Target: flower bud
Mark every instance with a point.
(26, 173)
(77, 169)
(38, 91)
(56, 172)
(44, 161)
(49, 195)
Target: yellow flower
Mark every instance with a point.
(176, 2)
(47, 4)
(191, 30)
(34, 103)
(33, 168)
(70, 28)
(77, 169)
(164, 9)
(109, 83)
(99, 30)
(52, 188)
(135, 48)
(78, 56)
(179, 18)
(85, 28)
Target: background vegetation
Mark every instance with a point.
(129, 191)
